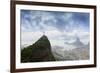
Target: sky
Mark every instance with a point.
(58, 26)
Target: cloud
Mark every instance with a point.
(59, 27)
(56, 37)
(34, 20)
(28, 38)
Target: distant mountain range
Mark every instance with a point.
(77, 43)
(79, 52)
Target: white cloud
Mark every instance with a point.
(28, 38)
(56, 37)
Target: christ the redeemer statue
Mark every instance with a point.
(43, 32)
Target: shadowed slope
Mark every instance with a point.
(38, 52)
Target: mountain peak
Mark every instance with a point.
(78, 43)
(77, 39)
(40, 51)
(44, 41)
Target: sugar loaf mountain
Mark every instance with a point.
(79, 52)
(38, 52)
(41, 51)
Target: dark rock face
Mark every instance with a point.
(40, 51)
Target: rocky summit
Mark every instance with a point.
(40, 51)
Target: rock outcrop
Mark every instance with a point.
(40, 51)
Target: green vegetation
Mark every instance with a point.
(38, 52)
